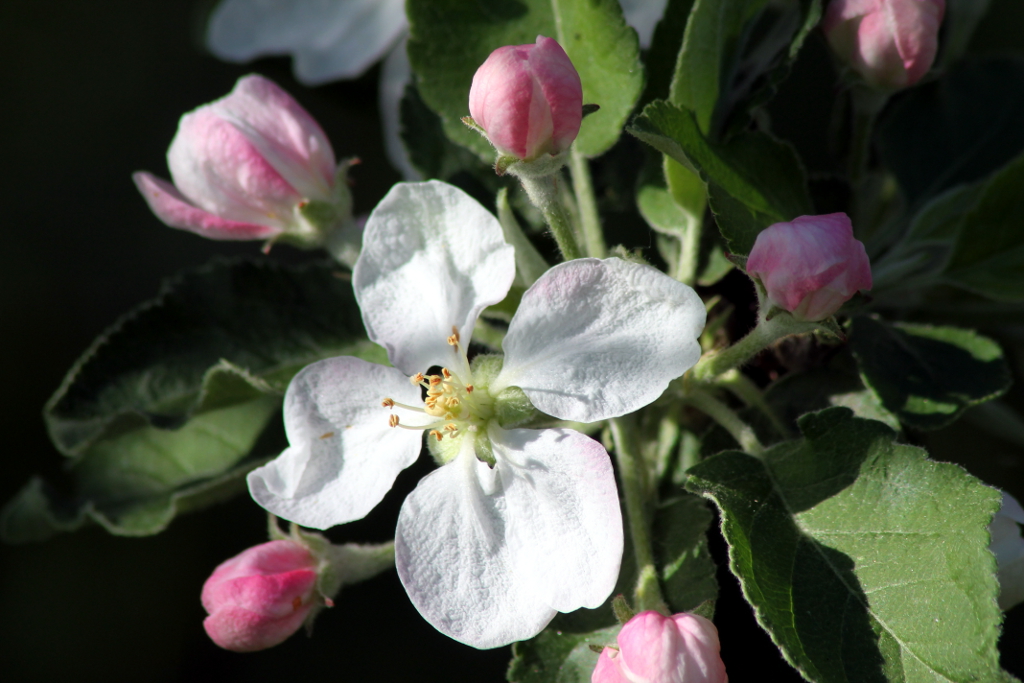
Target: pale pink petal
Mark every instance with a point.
(218, 169)
(596, 339)
(343, 456)
(175, 210)
(564, 524)
(454, 559)
(432, 259)
(329, 40)
(285, 135)
(608, 669)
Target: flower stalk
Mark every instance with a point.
(590, 221)
(648, 591)
(543, 192)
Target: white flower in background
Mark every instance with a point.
(332, 40)
(517, 524)
(1008, 547)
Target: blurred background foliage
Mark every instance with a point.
(92, 92)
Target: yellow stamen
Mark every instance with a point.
(436, 434)
(388, 403)
(393, 420)
(327, 435)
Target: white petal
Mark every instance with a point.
(330, 39)
(564, 525)
(343, 455)
(596, 339)
(394, 77)
(643, 15)
(454, 561)
(432, 259)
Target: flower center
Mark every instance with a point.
(456, 406)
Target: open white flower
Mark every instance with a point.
(517, 524)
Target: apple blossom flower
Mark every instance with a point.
(653, 648)
(811, 265)
(341, 40)
(516, 524)
(261, 596)
(251, 165)
(1008, 547)
(890, 43)
(528, 99)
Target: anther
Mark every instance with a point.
(393, 420)
(417, 378)
(446, 372)
(388, 403)
(434, 380)
(469, 389)
(450, 427)
(327, 435)
(438, 435)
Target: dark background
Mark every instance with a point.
(92, 91)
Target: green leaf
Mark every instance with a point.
(557, 657)
(988, 258)
(177, 392)
(430, 150)
(734, 55)
(450, 39)
(686, 570)
(753, 179)
(955, 130)
(864, 560)
(927, 376)
(962, 17)
(799, 393)
(663, 54)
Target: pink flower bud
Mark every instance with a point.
(682, 648)
(811, 265)
(890, 43)
(528, 99)
(243, 166)
(261, 596)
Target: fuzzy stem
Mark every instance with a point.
(766, 332)
(727, 417)
(744, 389)
(543, 192)
(648, 592)
(689, 254)
(590, 221)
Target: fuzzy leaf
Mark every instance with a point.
(864, 560)
(927, 376)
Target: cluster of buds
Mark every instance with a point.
(253, 165)
(891, 44)
(653, 648)
(810, 266)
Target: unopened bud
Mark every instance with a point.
(890, 43)
(528, 99)
(683, 648)
(261, 596)
(251, 165)
(811, 265)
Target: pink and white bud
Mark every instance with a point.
(261, 596)
(811, 265)
(528, 99)
(243, 167)
(683, 648)
(890, 43)
(1008, 547)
